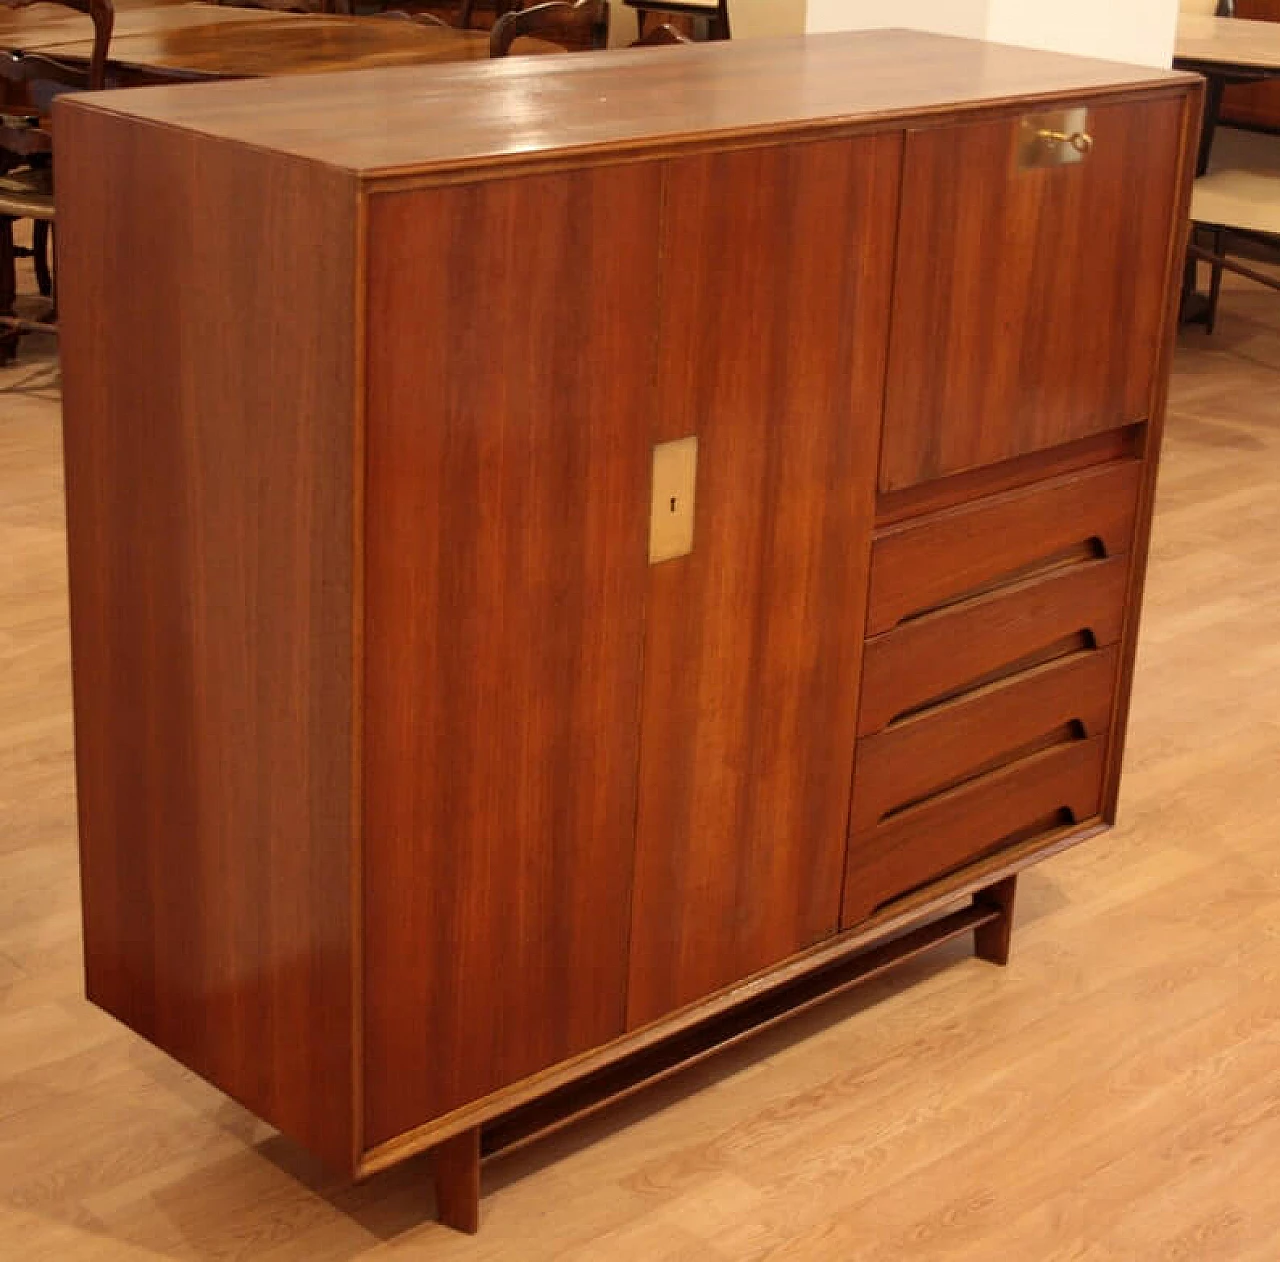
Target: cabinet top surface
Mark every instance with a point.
(412, 119)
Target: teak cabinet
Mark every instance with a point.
(419, 807)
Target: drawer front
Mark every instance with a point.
(941, 746)
(1028, 302)
(919, 566)
(942, 833)
(942, 653)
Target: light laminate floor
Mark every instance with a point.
(1113, 1094)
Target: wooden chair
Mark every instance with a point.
(26, 155)
(423, 19)
(660, 36)
(290, 6)
(712, 14)
(581, 25)
(1237, 202)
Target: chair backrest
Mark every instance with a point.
(660, 36)
(422, 19)
(23, 68)
(286, 6)
(1208, 8)
(581, 25)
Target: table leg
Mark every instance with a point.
(1214, 86)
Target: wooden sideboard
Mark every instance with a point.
(420, 808)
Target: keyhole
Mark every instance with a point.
(673, 503)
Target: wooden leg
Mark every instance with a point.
(40, 251)
(8, 286)
(455, 1165)
(1215, 279)
(991, 941)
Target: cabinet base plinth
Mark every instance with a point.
(456, 1161)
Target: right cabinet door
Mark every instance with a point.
(1028, 300)
(775, 276)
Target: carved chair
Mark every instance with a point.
(26, 153)
(581, 25)
(290, 6)
(659, 36)
(423, 19)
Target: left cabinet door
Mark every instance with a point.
(511, 337)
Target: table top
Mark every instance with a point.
(530, 109)
(208, 41)
(1228, 43)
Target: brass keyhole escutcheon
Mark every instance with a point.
(675, 479)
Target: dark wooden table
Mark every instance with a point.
(205, 41)
(1225, 51)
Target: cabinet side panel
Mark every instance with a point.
(1027, 308)
(776, 270)
(206, 294)
(510, 387)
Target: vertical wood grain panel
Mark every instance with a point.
(775, 293)
(510, 390)
(1028, 304)
(209, 484)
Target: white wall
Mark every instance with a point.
(751, 18)
(1118, 30)
(950, 17)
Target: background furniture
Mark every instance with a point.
(580, 25)
(1225, 50)
(665, 34)
(1237, 193)
(711, 15)
(468, 700)
(1237, 204)
(1255, 104)
(205, 41)
(26, 148)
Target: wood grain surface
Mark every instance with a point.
(923, 564)
(774, 359)
(532, 109)
(943, 744)
(1062, 783)
(210, 547)
(929, 658)
(202, 41)
(506, 573)
(1108, 1094)
(998, 348)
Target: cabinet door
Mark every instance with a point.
(775, 283)
(510, 390)
(1028, 301)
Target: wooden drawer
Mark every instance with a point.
(933, 657)
(948, 743)
(944, 832)
(920, 565)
